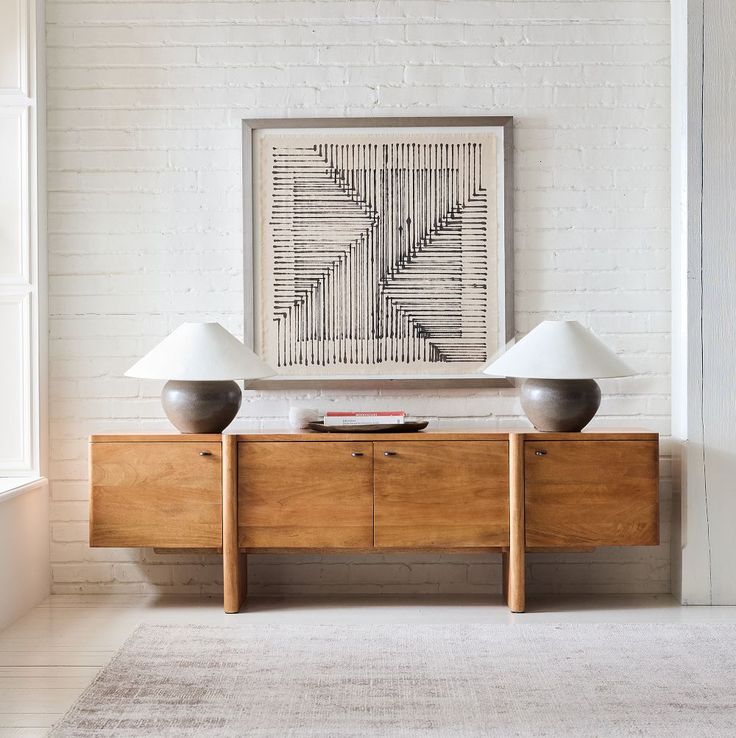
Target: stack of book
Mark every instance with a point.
(388, 417)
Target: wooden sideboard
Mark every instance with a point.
(510, 492)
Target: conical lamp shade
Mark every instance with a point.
(200, 352)
(559, 349)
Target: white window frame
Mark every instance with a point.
(21, 96)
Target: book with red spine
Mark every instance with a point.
(368, 417)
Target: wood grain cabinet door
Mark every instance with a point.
(438, 494)
(305, 494)
(591, 493)
(156, 494)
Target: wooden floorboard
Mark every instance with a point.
(43, 700)
(29, 719)
(23, 732)
(52, 658)
(52, 681)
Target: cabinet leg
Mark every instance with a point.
(516, 595)
(236, 578)
(233, 564)
(505, 575)
(243, 583)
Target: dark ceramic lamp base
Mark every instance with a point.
(560, 405)
(201, 407)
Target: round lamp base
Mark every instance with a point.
(201, 407)
(560, 405)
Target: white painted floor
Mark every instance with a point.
(51, 654)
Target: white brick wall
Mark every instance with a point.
(144, 108)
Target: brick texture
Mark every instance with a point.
(145, 102)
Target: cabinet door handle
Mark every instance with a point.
(205, 453)
(357, 453)
(540, 452)
(389, 453)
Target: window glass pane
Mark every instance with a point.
(14, 373)
(11, 192)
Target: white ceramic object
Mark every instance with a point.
(300, 417)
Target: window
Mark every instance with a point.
(19, 243)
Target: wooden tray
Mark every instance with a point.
(410, 426)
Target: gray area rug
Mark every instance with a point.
(387, 680)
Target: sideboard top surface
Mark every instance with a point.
(599, 434)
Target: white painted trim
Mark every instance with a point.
(690, 540)
(679, 220)
(11, 487)
(24, 45)
(24, 547)
(38, 263)
(718, 299)
(27, 283)
(703, 354)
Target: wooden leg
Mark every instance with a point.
(516, 595)
(505, 575)
(233, 568)
(243, 580)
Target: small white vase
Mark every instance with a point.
(300, 417)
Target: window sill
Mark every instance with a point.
(14, 486)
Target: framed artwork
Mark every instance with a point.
(378, 249)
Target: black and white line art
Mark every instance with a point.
(380, 254)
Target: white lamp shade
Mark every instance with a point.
(559, 349)
(200, 352)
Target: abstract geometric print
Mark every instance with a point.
(379, 254)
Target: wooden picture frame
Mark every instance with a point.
(335, 167)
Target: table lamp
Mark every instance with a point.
(560, 361)
(200, 362)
